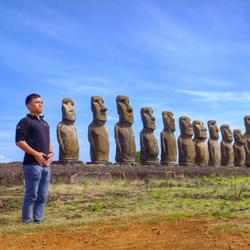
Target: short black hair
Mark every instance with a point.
(30, 97)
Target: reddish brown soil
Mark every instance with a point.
(195, 234)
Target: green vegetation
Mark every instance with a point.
(137, 156)
(154, 201)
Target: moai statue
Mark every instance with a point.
(168, 141)
(247, 136)
(239, 148)
(67, 133)
(201, 149)
(98, 133)
(148, 141)
(213, 144)
(124, 136)
(186, 146)
(227, 152)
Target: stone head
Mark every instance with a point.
(124, 110)
(226, 133)
(247, 123)
(200, 132)
(213, 129)
(147, 118)
(68, 110)
(186, 127)
(239, 137)
(168, 121)
(98, 109)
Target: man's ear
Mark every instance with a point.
(28, 106)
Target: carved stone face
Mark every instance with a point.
(226, 132)
(68, 110)
(124, 109)
(168, 121)
(186, 126)
(200, 131)
(148, 118)
(213, 129)
(247, 123)
(98, 109)
(238, 137)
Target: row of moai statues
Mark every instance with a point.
(192, 146)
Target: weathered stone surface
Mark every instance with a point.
(168, 141)
(124, 135)
(247, 136)
(11, 173)
(186, 146)
(239, 148)
(201, 149)
(148, 141)
(213, 144)
(67, 133)
(227, 152)
(97, 132)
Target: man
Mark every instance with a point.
(32, 136)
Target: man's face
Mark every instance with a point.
(68, 109)
(35, 106)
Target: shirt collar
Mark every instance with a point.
(35, 117)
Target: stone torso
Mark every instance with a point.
(201, 153)
(125, 144)
(247, 136)
(227, 154)
(168, 148)
(99, 143)
(68, 142)
(186, 151)
(214, 153)
(239, 155)
(149, 147)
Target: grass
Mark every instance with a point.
(231, 226)
(156, 201)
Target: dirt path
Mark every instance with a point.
(184, 234)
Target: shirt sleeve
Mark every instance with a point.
(22, 130)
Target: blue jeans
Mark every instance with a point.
(37, 179)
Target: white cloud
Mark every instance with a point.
(205, 81)
(84, 85)
(4, 159)
(213, 96)
(165, 35)
(112, 118)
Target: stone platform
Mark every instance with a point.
(11, 173)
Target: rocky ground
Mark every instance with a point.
(11, 173)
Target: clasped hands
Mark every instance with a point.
(43, 159)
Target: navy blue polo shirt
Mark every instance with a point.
(35, 133)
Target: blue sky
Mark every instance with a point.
(190, 57)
